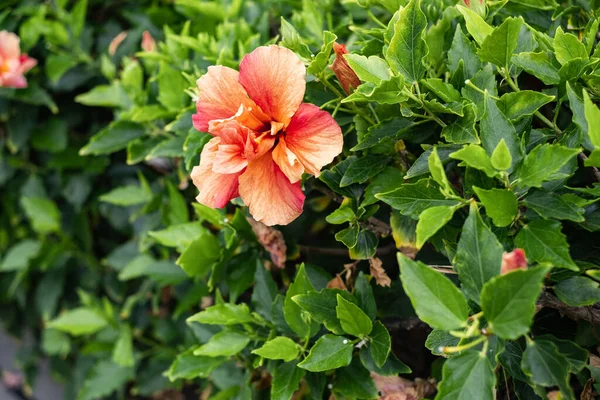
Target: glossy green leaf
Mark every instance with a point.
(498, 46)
(567, 47)
(286, 380)
(79, 321)
(363, 169)
(408, 48)
(322, 307)
(478, 255)
(508, 301)
(200, 255)
(329, 352)
(279, 348)
(467, 376)
(366, 245)
(291, 311)
(474, 156)
(380, 344)
(223, 314)
(544, 242)
(495, 127)
(516, 105)
(463, 131)
(500, 205)
(225, 343)
(369, 69)
(476, 26)
(542, 163)
(431, 221)
(113, 138)
(578, 291)
(354, 382)
(539, 65)
(546, 366)
(352, 319)
(592, 116)
(127, 196)
(435, 298)
(43, 214)
(550, 205)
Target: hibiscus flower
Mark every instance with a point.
(13, 64)
(265, 137)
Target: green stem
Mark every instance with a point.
(456, 349)
(422, 104)
(375, 19)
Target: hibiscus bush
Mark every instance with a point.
(351, 199)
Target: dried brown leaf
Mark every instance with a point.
(271, 240)
(381, 277)
(337, 283)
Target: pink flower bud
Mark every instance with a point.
(512, 261)
(112, 47)
(148, 43)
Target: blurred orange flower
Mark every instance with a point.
(265, 137)
(13, 64)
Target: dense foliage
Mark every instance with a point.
(470, 130)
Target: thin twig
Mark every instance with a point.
(590, 314)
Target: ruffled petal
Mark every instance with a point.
(13, 80)
(215, 189)
(229, 159)
(274, 77)
(269, 194)
(9, 45)
(314, 137)
(222, 97)
(26, 63)
(287, 162)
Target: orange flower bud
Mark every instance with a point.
(148, 43)
(342, 70)
(512, 261)
(116, 42)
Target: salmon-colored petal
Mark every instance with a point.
(26, 63)
(13, 80)
(229, 159)
(215, 189)
(221, 97)
(287, 162)
(269, 194)
(314, 137)
(9, 45)
(274, 77)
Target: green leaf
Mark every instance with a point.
(369, 69)
(364, 295)
(413, 199)
(463, 131)
(441, 89)
(363, 169)
(543, 242)
(127, 196)
(223, 314)
(463, 51)
(508, 301)
(53, 138)
(123, 351)
(329, 352)
(496, 127)
(200, 255)
(43, 214)
(516, 105)
(592, 116)
(539, 65)
(343, 214)
(549, 205)
(546, 366)
(113, 96)
(322, 307)
(434, 297)
(348, 236)
(575, 355)
(264, 292)
(380, 344)
(320, 61)
(467, 376)
(20, 255)
(292, 311)
(578, 291)
(279, 348)
(478, 255)
(542, 163)
(431, 221)
(180, 236)
(476, 26)
(352, 319)
(225, 343)
(436, 168)
(500, 204)
(474, 156)
(498, 46)
(567, 47)
(113, 138)
(79, 321)
(286, 380)
(105, 378)
(366, 245)
(407, 49)
(392, 366)
(189, 366)
(160, 271)
(438, 339)
(171, 88)
(354, 382)
(501, 158)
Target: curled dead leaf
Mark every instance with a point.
(381, 277)
(398, 388)
(271, 240)
(337, 283)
